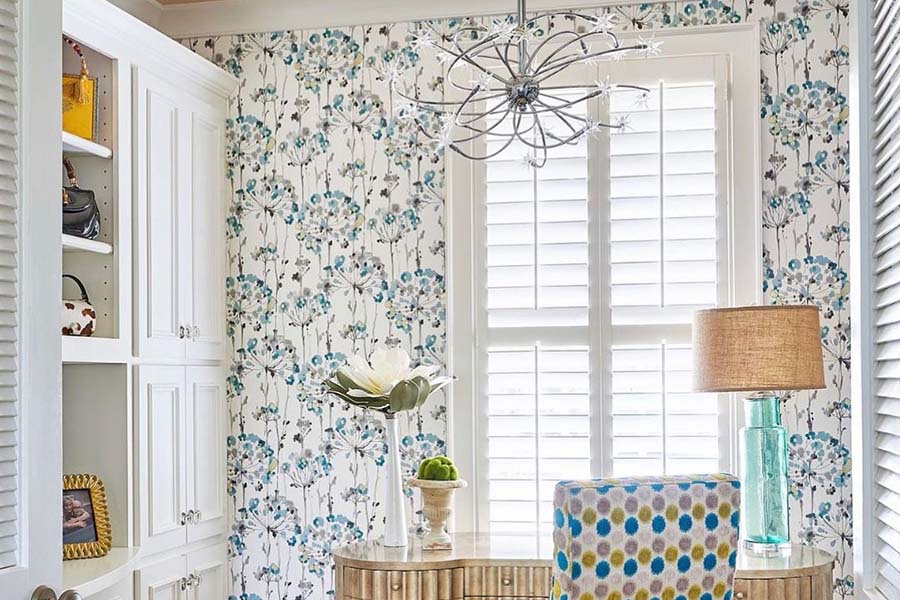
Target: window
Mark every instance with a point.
(585, 275)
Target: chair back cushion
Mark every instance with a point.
(646, 538)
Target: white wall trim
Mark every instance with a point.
(861, 301)
(40, 290)
(148, 11)
(222, 17)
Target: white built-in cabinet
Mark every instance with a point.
(180, 225)
(181, 417)
(199, 575)
(143, 400)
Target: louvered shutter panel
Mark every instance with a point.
(538, 431)
(8, 286)
(663, 204)
(537, 238)
(538, 395)
(886, 178)
(663, 266)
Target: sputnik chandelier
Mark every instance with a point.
(509, 94)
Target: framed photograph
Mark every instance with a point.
(86, 530)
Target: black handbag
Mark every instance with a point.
(81, 215)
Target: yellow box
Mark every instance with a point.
(80, 118)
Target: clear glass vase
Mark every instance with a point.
(765, 479)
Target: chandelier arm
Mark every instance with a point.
(464, 56)
(562, 47)
(562, 63)
(430, 105)
(542, 148)
(562, 116)
(479, 46)
(504, 58)
(477, 29)
(478, 115)
(574, 16)
(564, 103)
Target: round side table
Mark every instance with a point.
(804, 573)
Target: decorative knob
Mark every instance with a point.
(395, 587)
(182, 333)
(739, 596)
(42, 592)
(183, 583)
(184, 518)
(197, 516)
(195, 331)
(506, 581)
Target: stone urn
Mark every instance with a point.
(437, 501)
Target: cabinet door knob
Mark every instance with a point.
(181, 332)
(395, 587)
(195, 331)
(183, 583)
(739, 596)
(197, 516)
(506, 581)
(184, 518)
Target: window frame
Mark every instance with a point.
(464, 230)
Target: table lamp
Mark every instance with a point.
(763, 350)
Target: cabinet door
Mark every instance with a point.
(206, 310)
(160, 181)
(208, 568)
(162, 500)
(205, 443)
(164, 580)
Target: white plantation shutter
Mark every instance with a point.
(886, 306)
(663, 190)
(537, 238)
(538, 431)
(665, 200)
(588, 271)
(536, 279)
(8, 285)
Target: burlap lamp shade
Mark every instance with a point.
(757, 348)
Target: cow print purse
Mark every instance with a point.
(78, 316)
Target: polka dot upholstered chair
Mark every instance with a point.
(649, 538)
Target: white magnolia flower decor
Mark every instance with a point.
(386, 382)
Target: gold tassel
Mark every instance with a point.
(81, 86)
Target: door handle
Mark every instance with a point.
(42, 592)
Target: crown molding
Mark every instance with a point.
(223, 17)
(148, 11)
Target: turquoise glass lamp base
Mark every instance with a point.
(765, 479)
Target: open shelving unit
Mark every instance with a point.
(97, 370)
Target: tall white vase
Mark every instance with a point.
(395, 534)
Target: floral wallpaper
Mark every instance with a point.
(336, 244)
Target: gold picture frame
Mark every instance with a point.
(85, 518)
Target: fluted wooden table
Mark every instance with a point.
(513, 567)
